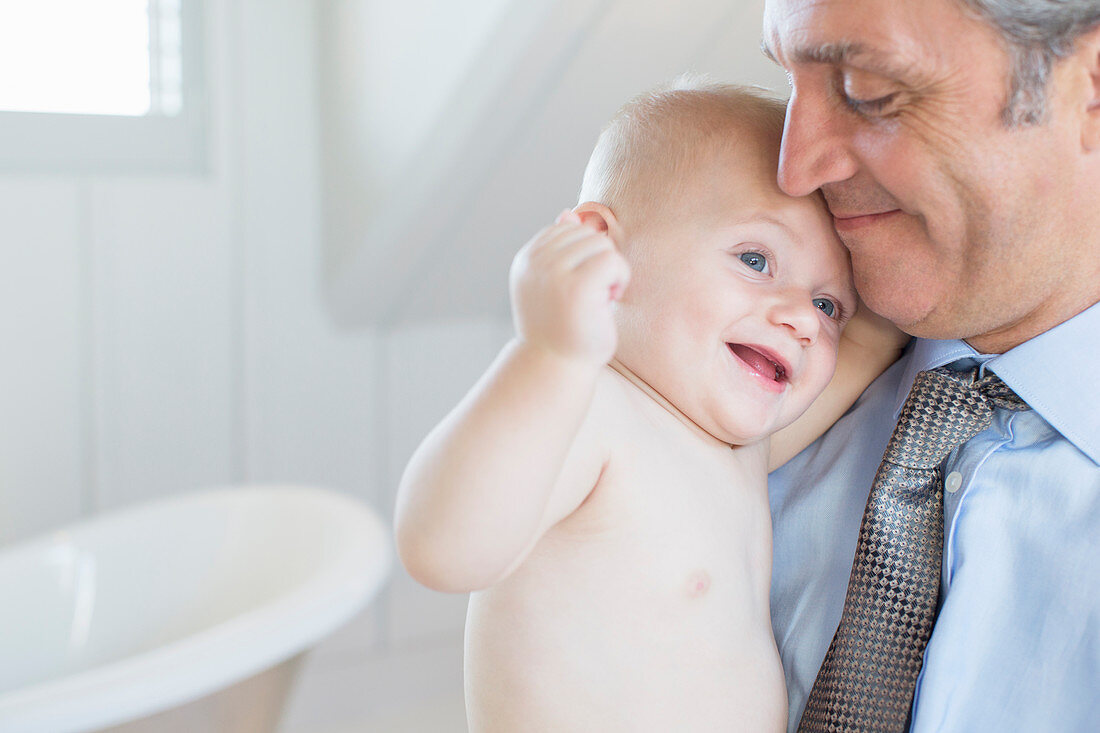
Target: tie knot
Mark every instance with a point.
(999, 393)
(945, 408)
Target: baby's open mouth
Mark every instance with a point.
(759, 362)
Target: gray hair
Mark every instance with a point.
(1039, 33)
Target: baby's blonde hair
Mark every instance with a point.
(654, 141)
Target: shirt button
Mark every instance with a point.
(953, 482)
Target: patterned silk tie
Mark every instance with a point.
(870, 671)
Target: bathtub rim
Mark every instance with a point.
(219, 655)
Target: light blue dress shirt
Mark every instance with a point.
(1016, 646)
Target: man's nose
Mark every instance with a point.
(815, 148)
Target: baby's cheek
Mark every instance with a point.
(828, 368)
(822, 368)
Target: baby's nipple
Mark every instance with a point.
(698, 584)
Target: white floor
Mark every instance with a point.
(406, 690)
(441, 715)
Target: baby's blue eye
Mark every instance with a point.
(755, 260)
(826, 306)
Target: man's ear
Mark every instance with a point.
(1088, 50)
(602, 219)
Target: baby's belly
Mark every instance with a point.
(612, 639)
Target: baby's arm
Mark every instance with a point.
(507, 463)
(868, 345)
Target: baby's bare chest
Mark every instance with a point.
(659, 582)
(668, 526)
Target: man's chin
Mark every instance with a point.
(894, 291)
(909, 316)
(934, 323)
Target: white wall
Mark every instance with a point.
(165, 333)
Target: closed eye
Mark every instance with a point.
(870, 107)
(864, 92)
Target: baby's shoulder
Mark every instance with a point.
(615, 403)
(615, 421)
(611, 387)
(628, 419)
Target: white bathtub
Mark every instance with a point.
(189, 613)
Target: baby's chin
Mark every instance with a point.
(739, 438)
(742, 428)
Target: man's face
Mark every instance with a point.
(955, 223)
(730, 279)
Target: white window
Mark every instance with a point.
(100, 86)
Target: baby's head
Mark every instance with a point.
(738, 292)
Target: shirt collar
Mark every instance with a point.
(1055, 373)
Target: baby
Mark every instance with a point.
(603, 488)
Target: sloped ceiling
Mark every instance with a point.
(506, 150)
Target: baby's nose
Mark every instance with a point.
(800, 316)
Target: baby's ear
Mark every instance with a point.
(599, 217)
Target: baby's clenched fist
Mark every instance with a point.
(563, 285)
